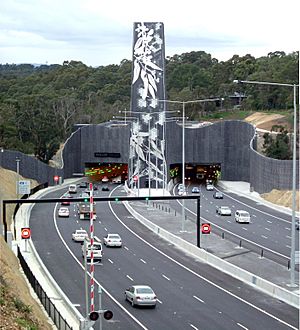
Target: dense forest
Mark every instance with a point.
(40, 104)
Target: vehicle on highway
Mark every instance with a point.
(83, 210)
(105, 188)
(242, 216)
(195, 190)
(97, 249)
(209, 187)
(64, 197)
(180, 186)
(79, 235)
(63, 212)
(141, 295)
(112, 240)
(223, 210)
(117, 180)
(72, 188)
(83, 184)
(105, 179)
(181, 192)
(218, 195)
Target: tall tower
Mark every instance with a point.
(147, 164)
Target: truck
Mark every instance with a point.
(97, 248)
(83, 209)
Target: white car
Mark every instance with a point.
(141, 295)
(63, 212)
(223, 210)
(112, 240)
(72, 189)
(209, 187)
(117, 180)
(79, 235)
(242, 216)
(105, 179)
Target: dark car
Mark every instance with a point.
(218, 195)
(83, 184)
(105, 188)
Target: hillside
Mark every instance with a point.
(18, 309)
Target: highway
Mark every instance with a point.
(191, 295)
(269, 228)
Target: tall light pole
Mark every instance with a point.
(183, 145)
(293, 234)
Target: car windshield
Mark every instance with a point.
(114, 236)
(144, 290)
(244, 214)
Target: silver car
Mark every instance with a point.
(141, 295)
(223, 210)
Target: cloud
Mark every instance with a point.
(100, 33)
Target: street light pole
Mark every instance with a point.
(293, 229)
(183, 146)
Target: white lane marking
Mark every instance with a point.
(192, 326)
(287, 236)
(159, 301)
(207, 211)
(267, 229)
(269, 221)
(244, 228)
(99, 222)
(242, 326)
(76, 305)
(288, 246)
(254, 216)
(263, 236)
(164, 276)
(229, 221)
(126, 248)
(287, 228)
(79, 262)
(199, 299)
(105, 229)
(131, 279)
(142, 260)
(196, 274)
(110, 261)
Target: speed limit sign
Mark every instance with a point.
(25, 233)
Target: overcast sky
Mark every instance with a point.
(99, 32)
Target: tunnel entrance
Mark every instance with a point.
(111, 171)
(198, 173)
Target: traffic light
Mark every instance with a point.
(108, 315)
(94, 316)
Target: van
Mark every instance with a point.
(97, 249)
(242, 216)
(72, 188)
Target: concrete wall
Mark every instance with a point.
(82, 145)
(227, 143)
(29, 166)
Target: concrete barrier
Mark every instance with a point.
(41, 273)
(220, 264)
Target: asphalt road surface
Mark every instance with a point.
(191, 295)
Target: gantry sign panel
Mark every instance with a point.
(147, 113)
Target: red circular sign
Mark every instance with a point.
(25, 233)
(135, 178)
(205, 228)
(56, 178)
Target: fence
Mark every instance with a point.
(50, 308)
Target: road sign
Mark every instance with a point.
(135, 178)
(25, 233)
(56, 178)
(108, 315)
(23, 187)
(205, 228)
(94, 316)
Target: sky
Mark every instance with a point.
(98, 32)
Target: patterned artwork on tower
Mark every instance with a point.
(147, 142)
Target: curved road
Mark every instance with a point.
(191, 295)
